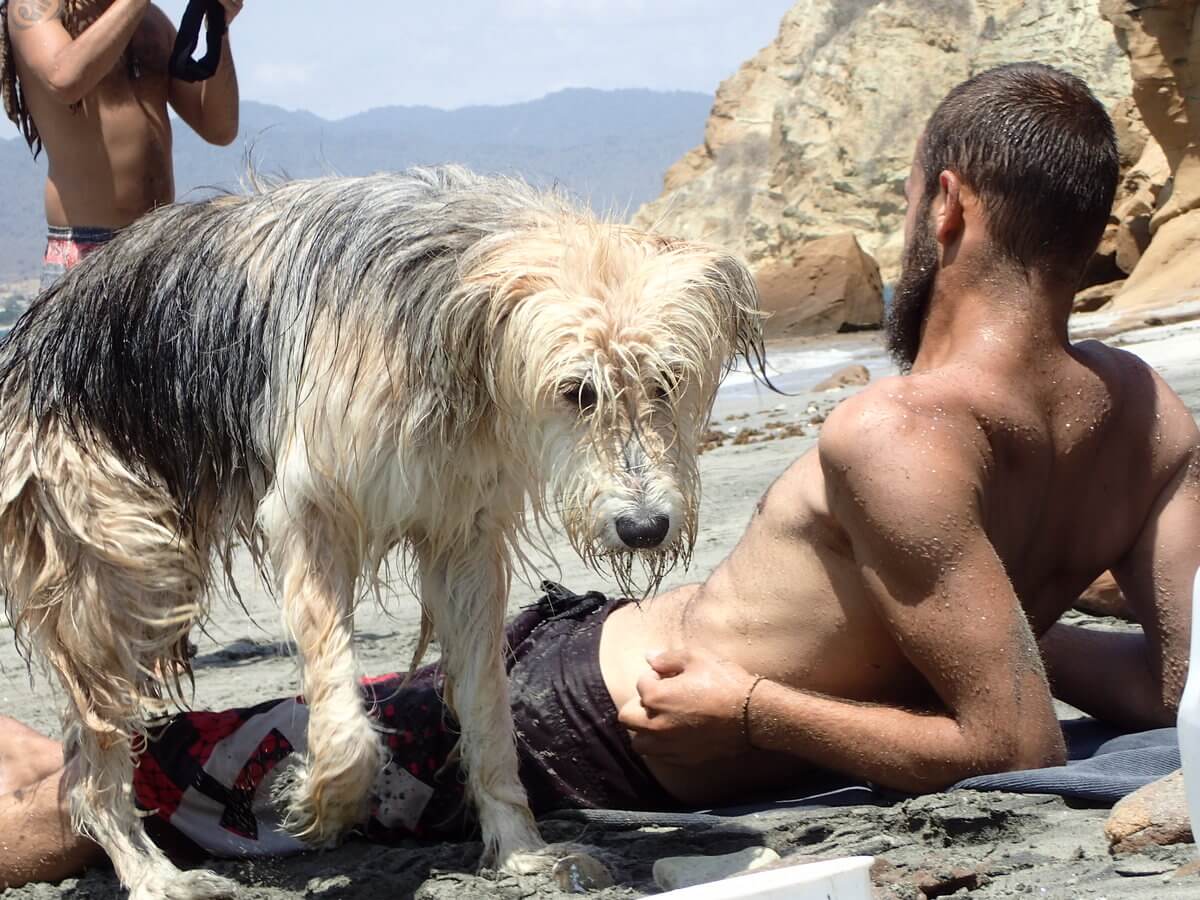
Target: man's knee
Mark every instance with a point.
(26, 756)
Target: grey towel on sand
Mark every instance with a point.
(1103, 766)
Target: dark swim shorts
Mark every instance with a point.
(208, 776)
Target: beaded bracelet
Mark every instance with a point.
(746, 712)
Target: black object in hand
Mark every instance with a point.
(183, 66)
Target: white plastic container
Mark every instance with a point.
(1189, 719)
(837, 879)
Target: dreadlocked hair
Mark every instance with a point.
(10, 85)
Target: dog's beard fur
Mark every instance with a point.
(914, 291)
(625, 468)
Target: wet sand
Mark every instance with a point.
(992, 845)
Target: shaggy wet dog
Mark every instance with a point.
(327, 371)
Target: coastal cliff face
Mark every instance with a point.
(1163, 43)
(814, 136)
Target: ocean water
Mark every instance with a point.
(796, 368)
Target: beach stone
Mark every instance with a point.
(1104, 598)
(829, 286)
(1188, 870)
(1138, 866)
(324, 885)
(850, 376)
(1153, 815)
(674, 872)
(1097, 296)
(579, 873)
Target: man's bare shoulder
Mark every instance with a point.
(902, 416)
(1156, 411)
(159, 21)
(26, 14)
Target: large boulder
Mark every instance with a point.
(814, 136)
(1144, 174)
(830, 286)
(1168, 273)
(1162, 40)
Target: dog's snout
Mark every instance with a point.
(643, 534)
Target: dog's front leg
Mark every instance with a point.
(316, 565)
(464, 592)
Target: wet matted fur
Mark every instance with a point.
(327, 371)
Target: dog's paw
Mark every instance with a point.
(510, 839)
(526, 862)
(199, 884)
(318, 811)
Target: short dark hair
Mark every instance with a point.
(1040, 152)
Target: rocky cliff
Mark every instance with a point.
(1163, 42)
(815, 134)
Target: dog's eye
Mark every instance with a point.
(666, 385)
(581, 394)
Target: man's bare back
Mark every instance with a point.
(100, 103)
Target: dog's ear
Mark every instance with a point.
(473, 323)
(734, 293)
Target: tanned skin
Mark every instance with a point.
(893, 582)
(100, 103)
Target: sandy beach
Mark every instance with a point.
(988, 845)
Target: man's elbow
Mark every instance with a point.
(221, 135)
(66, 87)
(1035, 751)
(998, 756)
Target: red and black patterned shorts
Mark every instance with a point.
(67, 247)
(209, 777)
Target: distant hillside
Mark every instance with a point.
(608, 147)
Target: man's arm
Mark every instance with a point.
(905, 487)
(71, 68)
(210, 107)
(1140, 678)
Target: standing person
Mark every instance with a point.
(89, 81)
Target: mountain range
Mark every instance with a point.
(610, 148)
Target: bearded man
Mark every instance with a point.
(89, 81)
(881, 616)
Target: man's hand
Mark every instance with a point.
(689, 708)
(232, 8)
(211, 107)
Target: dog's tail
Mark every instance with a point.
(110, 619)
(34, 566)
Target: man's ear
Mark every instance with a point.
(948, 219)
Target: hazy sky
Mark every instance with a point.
(339, 57)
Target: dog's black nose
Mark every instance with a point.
(642, 534)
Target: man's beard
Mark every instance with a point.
(914, 290)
